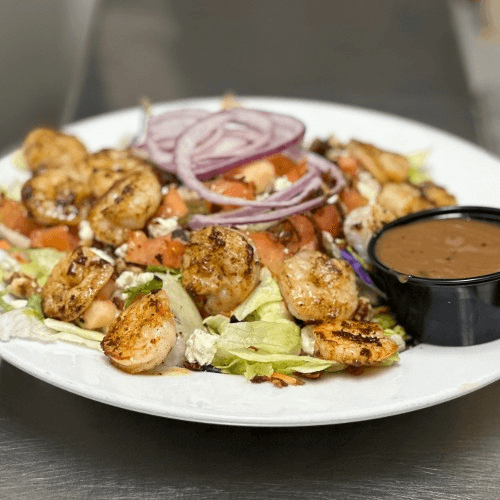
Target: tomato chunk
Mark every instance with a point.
(163, 251)
(58, 237)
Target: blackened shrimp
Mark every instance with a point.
(220, 269)
(317, 288)
(52, 149)
(354, 343)
(110, 165)
(127, 206)
(58, 195)
(74, 283)
(143, 335)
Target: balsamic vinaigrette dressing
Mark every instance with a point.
(442, 248)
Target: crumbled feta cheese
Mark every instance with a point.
(121, 251)
(103, 255)
(333, 199)
(201, 347)
(281, 183)
(160, 226)
(128, 279)
(85, 232)
(307, 338)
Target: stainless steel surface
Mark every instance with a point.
(57, 445)
(395, 55)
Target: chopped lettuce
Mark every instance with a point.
(34, 306)
(21, 323)
(41, 262)
(5, 306)
(216, 324)
(265, 336)
(64, 327)
(249, 364)
(13, 190)
(418, 173)
(385, 320)
(267, 291)
(142, 289)
(187, 316)
(165, 270)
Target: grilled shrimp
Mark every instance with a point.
(110, 165)
(52, 149)
(317, 288)
(58, 195)
(385, 166)
(362, 223)
(143, 335)
(220, 269)
(128, 205)
(353, 343)
(74, 283)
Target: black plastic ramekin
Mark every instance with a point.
(450, 312)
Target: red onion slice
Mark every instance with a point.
(238, 218)
(195, 135)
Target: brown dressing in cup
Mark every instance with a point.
(442, 248)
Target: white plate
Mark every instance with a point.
(426, 375)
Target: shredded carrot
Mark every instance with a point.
(287, 379)
(5, 245)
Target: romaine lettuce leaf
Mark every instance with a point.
(41, 262)
(266, 291)
(248, 363)
(269, 337)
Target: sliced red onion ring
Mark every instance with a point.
(252, 216)
(195, 135)
(326, 166)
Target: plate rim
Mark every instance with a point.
(395, 408)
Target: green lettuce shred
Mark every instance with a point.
(249, 364)
(418, 173)
(148, 287)
(41, 262)
(267, 291)
(34, 306)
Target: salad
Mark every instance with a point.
(216, 241)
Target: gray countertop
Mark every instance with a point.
(397, 56)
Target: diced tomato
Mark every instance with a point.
(58, 237)
(294, 233)
(271, 252)
(328, 219)
(351, 198)
(163, 251)
(13, 214)
(306, 231)
(234, 188)
(284, 165)
(349, 165)
(172, 205)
